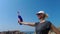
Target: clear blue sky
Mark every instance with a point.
(28, 10)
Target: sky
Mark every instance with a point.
(28, 10)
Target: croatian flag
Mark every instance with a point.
(19, 19)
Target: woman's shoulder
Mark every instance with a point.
(49, 22)
(36, 23)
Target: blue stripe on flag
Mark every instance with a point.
(20, 19)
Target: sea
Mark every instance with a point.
(29, 32)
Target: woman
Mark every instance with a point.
(43, 26)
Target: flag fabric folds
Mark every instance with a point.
(20, 19)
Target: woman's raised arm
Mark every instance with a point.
(27, 23)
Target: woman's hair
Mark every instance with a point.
(45, 16)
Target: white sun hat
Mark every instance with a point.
(42, 13)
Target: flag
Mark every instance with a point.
(19, 19)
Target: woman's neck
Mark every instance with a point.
(42, 20)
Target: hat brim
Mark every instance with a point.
(46, 15)
(38, 13)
